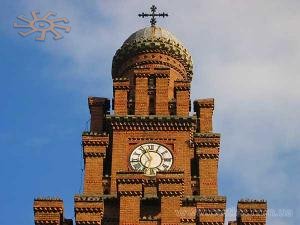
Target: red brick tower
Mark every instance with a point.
(150, 161)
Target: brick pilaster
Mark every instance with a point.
(99, 107)
(251, 212)
(170, 190)
(121, 88)
(88, 209)
(94, 150)
(211, 210)
(207, 152)
(49, 211)
(204, 109)
(182, 94)
(130, 193)
(141, 95)
(162, 100)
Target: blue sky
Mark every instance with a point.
(246, 55)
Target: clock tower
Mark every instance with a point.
(150, 160)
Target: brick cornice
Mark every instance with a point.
(87, 198)
(211, 211)
(48, 205)
(94, 154)
(48, 209)
(121, 84)
(142, 75)
(47, 222)
(170, 180)
(130, 181)
(48, 199)
(162, 75)
(170, 193)
(130, 193)
(185, 220)
(204, 103)
(247, 201)
(210, 223)
(79, 222)
(182, 85)
(89, 210)
(155, 123)
(252, 211)
(208, 156)
(150, 139)
(206, 140)
(92, 139)
(97, 101)
(136, 65)
(206, 199)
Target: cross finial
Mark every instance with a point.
(153, 15)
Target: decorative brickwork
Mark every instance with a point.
(204, 109)
(121, 89)
(98, 108)
(182, 95)
(149, 162)
(251, 212)
(49, 211)
(88, 209)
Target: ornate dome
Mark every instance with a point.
(153, 39)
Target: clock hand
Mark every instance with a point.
(149, 157)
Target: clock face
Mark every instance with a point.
(150, 158)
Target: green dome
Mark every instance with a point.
(153, 39)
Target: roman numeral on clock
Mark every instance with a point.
(164, 152)
(138, 166)
(142, 149)
(167, 159)
(165, 166)
(151, 147)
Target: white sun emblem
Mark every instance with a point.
(43, 25)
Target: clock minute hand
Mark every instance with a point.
(149, 157)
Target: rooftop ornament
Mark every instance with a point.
(153, 15)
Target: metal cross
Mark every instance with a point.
(153, 15)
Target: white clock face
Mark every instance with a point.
(150, 158)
